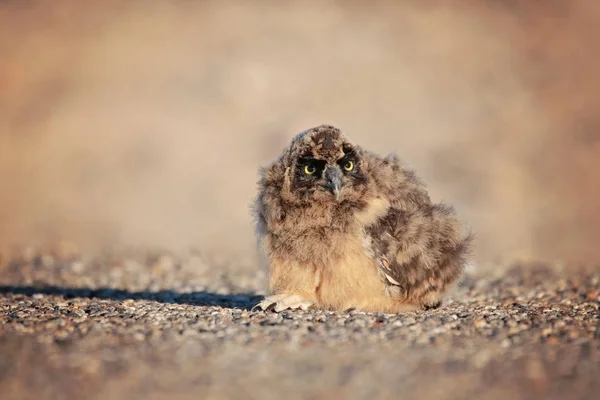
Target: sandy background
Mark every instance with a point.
(143, 123)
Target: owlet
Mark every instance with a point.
(343, 228)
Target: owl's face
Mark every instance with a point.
(325, 166)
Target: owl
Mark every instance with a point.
(344, 228)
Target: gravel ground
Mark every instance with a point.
(164, 327)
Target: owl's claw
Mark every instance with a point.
(281, 302)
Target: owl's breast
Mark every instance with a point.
(324, 233)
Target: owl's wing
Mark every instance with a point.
(419, 252)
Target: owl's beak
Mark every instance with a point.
(333, 181)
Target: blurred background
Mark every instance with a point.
(143, 123)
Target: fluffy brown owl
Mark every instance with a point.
(343, 228)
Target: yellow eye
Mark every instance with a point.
(309, 169)
(349, 165)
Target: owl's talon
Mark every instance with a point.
(282, 302)
(432, 306)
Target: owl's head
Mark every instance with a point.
(322, 164)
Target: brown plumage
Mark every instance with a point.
(344, 228)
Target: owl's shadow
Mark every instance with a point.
(244, 301)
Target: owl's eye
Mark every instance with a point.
(309, 169)
(349, 165)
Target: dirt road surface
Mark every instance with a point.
(105, 328)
